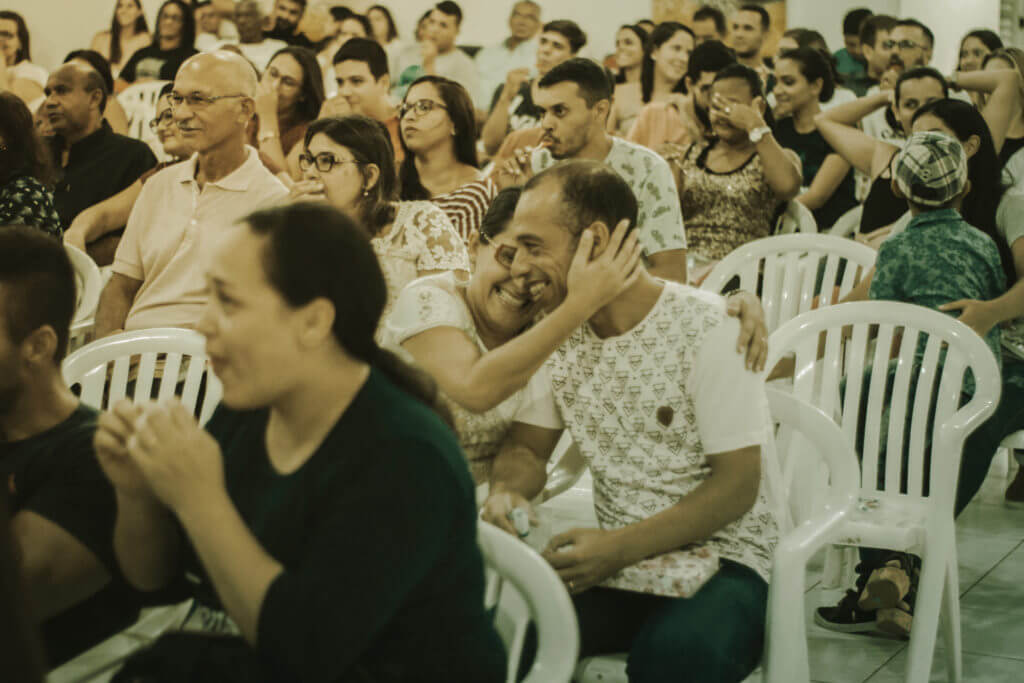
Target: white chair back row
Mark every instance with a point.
(139, 103)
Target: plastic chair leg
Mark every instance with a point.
(925, 627)
(951, 622)
(786, 656)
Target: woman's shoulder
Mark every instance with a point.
(427, 302)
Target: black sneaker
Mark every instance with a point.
(847, 616)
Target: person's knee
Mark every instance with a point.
(696, 653)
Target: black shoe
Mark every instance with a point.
(846, 617)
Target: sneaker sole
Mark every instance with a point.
(863, 627)
(894, 622)
(884, 590)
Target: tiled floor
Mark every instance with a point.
(991, 552)
(990, 540)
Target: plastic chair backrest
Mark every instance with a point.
(104, 369)
(784, 272)
(850, 382)
(88, 283)
(522, 587)
(810, 439)
(139, 102)
(796, 218)
(848, 224)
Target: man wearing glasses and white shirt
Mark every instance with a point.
(157, 280)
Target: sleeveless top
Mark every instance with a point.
(723, 211)
(881, 206)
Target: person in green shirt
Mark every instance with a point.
(326, 509)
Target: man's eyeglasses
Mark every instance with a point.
(908, 45)
(161, 120)
(286, 80)
(421, 107)
(196, 100)
(324, 162)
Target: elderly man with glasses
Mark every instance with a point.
(157, 277)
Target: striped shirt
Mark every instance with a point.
(467, 205)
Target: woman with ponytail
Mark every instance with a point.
(325, 515)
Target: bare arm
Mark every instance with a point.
(1004, 101)
(826, 181)
(99, 219)
(838, 126)
(59, 570)
(519, 472)
(115, 302)
(982, 316)
(781, 168)
(496, 127)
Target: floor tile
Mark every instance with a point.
(977, 555)
(997, 521)
(976, 668)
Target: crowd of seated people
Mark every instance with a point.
(415, 270)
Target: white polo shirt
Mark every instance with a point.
(171, 223)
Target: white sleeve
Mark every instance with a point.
(729, 400)
(423, 305)
(538, 407)
(660, 216)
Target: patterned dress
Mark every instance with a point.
(466, 206)
(421, 238)
(26, 201)
(723, 211)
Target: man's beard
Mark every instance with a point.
(282, 25)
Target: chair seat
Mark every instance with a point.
(889, 522)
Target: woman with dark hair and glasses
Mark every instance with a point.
(288, 99)
(349, 162)
(17, 72)
(475, 337)
(325, 516)
(25, 171)
(173, 43)
(128, 34)
(112, 213)
(438, 131)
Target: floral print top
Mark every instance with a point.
(26, 201)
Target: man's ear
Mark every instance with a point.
(40, 346)
(248, 107)
(602, 235)
(385, 81)
(602, 108)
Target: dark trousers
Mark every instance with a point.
(714, 637)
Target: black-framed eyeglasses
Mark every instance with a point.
(161, 120)
(888, 44)
(196, 100)
(324, 162)
(272, 72)
(907, 45)
(421, 107)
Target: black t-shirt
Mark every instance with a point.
(152, 62)
(525, 113)
(289, 36)
(383, 580)
(99, 166)
(813, 150)
(55, 475)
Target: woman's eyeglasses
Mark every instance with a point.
(324, 162)
(504, 254)
(161, 120)
(272, 72)
(421, 107)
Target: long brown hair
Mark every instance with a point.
(22, 152)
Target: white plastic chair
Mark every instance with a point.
(795, 218)
(886, 518)
(567, 467)
(848, 224)
(783, 272)
(786, 639)
(536, 595)
(88, 285)
(139, 102)
(102, 369)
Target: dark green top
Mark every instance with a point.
(383, 579)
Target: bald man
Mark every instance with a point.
(157, 280)
(95, 162)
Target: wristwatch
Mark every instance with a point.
(758, 133)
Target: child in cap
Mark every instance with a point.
(937, 259)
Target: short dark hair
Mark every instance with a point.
(500, 212)
(451, 9)
(706, 12)
(166, 90)
(341, 13)
(807, 37)
(712, 56)
(101, 72)
(854, 19)
(592, 80)
(570, 30)
(40, 285)
(917, 24)
(590, 191)
(24, 53)
(364, 50)
(871, 27)
(916, 73)
(766, 19)
(370, 143)
(745, 73)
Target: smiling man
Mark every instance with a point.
(575, 97)
(158, 280)
(671, 425)
(750, 27)
(98, 163)
(284, 23)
